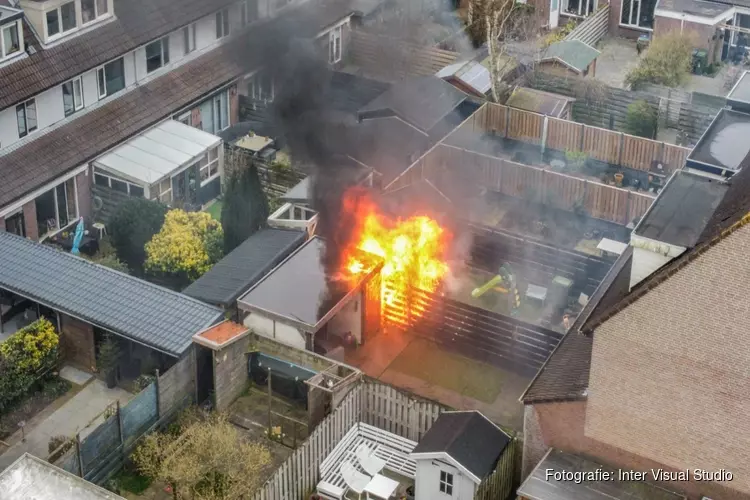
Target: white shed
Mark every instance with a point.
(460, 450)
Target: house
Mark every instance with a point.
(87, 302)
(569, 58)
(31, 477)
(454, 457)
(660, 341)
(83, 80)
(544, 103)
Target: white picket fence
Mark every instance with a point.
(371, 402)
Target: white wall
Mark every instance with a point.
(348, 319)
(427, 482)
(90, 88)
(648, 256)
(275, 330)
(49, 107)
(8, 127)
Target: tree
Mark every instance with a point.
(187, 245)
(641, 119)
(668, 61)
(133, 225)
(245, 207)
(207, 459)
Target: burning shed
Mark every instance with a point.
(301, 304)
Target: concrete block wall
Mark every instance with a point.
(230, 372)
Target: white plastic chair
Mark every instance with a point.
(354, 479)
(367, 459)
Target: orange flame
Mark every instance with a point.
(413, 251)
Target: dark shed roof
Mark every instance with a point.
(469, 438)
(723, 145)
(538, 101)
(136, 309)
(422, 101)
(244, 266)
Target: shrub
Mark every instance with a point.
(245, 207)
(641, 119)
(559, 34)
(668, 61)
(112, 262)
(133, 225)
(188, 245)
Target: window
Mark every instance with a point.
(72, 96)
(92, 9)
(638, 13)
(222, 23)
(111, 78)
(165, 191)
(215, 113)
(743, 21)
(11, 41)
(61, 19)
(117, 185)
(157, 54)
(15, 224)
(188, 34)
(260, 87)
(57, 208)
(26, 116)
(53, 22)
(185, 118)
(249, 11)
(209, 166)
(578, 7)
(334, 45)
(446, 483)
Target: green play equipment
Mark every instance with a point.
(507, 279)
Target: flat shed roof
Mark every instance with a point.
(682, 210)
(538, 487)
(299, 291)
(723, 145)
(133, 308)
(739, 97)
(157, 153)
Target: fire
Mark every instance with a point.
(413, 250)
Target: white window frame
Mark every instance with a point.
(185, 118)
(223, 28)
(638, 16)
(101, 70)
(208, 166)
(111, 178)
(188, 38)
(161, 193)
(446, 483)
(245, 6)
(74, 220)
(255, 88)
(163, 53)
(97, 14)
(216, 108)
(63, 31)
(25, 106)
(19, 32)
(582, 12)
(77, 106)
(335, 51)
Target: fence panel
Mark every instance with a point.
(602, 144)
(69, 462)
(525, 126)
(101, 442)
(564, 135)
(638, 153)
(674, 157)
(494, 117)
(563, 191)
(607, 202)
(139, 414)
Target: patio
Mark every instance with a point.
(372, 460)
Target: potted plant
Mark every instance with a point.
(108, 360)
(618, 179)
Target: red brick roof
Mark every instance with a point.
(223, 332)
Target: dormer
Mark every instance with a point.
(55, 20)
(11, 33)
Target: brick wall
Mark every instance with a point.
(77, 342)
(177, 385)
(29, 219)
(703, 34)
(83, 185)
(2, 223)
(561, 426)
(230, 372)
(234, 105)
(669, 376)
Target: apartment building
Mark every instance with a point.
(110, 93)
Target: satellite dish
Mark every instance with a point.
(98, 203)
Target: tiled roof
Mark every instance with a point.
(86, 137)
(128, 306)
(136, 23)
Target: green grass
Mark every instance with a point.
(425, 360)
(215, 210)
(129, 480)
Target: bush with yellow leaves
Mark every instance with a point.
(188, 244)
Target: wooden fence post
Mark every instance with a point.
(661, 153)
(545, 125)
(158, 395)
(622, 146)
(583, 134)
(78, 454)
(270, 400)
(120, 426)
(507, 120)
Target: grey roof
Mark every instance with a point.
(470, 73)
(469, 438)
(30, 478)
(682, 210)
(573, 53)
(125, 305)
(724, 144)
(538, 486)
(245, 265)
(422, 101)
(300, 192)
(700, 8)
(740, 93)
(538, 101)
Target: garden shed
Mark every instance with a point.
(300, 304)
(569, 58)
(544, 103)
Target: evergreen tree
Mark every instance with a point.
(245, 207)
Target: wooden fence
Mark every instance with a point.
(554, 189)
(616, 148)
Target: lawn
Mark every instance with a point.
(215, 210)
(425, 360)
